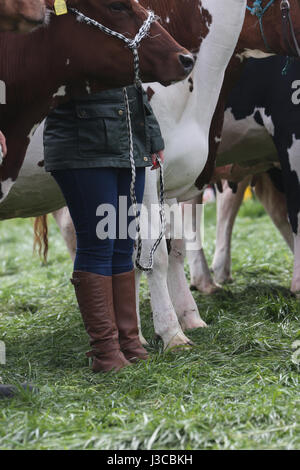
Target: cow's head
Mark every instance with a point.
(162, 59)
(275, 34)
(21, 15)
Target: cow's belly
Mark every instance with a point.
(245, 142)
(35, 191)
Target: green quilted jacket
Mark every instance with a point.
(92, 132)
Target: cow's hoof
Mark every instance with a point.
(179, 342)
(296, 294)
(143, 340)
(207, 289)
(221, 280)
(191, 321)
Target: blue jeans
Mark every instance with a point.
(84, 191)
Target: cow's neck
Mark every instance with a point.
(34, 68)
(187, 21)
(30, 74)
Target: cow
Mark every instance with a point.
(201, 278)
(65, 59)
(21, 15)
(261, 126)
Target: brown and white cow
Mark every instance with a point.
(21, 15)
(277, 42)
(51, 64)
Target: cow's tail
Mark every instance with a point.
(40, 241)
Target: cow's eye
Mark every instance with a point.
(118, 6)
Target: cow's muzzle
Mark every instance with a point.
(187, 61)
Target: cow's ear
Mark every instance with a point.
(49, 3)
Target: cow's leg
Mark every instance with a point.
(66, 227)
(275, 205)
(166, 323)
(228, 204)
(138, 275)
(201, 278)
(165, 319)
(295, 287)
(181, 296)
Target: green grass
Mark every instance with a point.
(238, 388)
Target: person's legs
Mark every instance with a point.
(123, 272)
(85, 190)
(124, 244)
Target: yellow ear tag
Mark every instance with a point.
(60, 7)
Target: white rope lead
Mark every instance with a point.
(136, 213)
(133, 45)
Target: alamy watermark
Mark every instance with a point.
(183, 222)
(296, 93)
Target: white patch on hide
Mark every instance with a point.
(60, 92)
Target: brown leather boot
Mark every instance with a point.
(95, 300)
(126, 317)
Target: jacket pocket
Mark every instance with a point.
(101, 129)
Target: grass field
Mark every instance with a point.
(238, 388)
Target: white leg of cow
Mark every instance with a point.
(138, 275)
(201, 278)
(181, 296)
(165, 320)
(228, 205)
(274, 203)
(295, 288)
(183, 300)
(66, 227)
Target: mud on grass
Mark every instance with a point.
(238, 388)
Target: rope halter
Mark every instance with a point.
(258, 10)
(288, 28)
(132, 44)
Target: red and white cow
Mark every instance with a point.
(52, 63)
